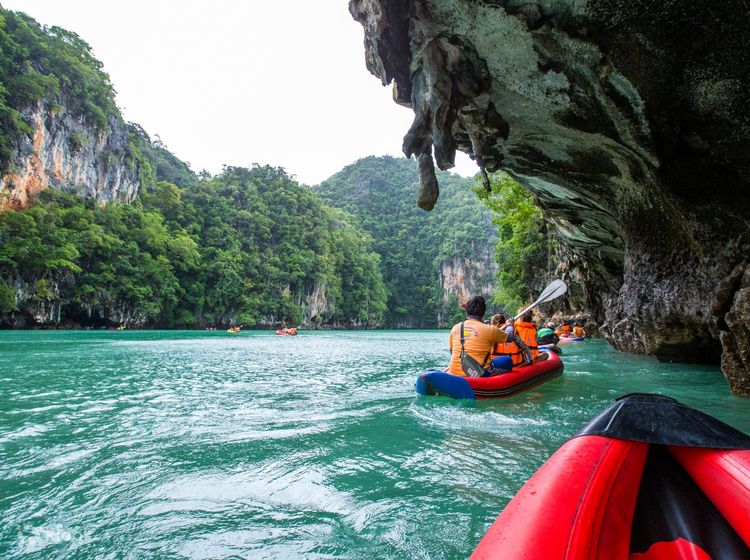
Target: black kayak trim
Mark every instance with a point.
(671, 506)
(662, 420)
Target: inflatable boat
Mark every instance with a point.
(648, 479)
(437, 382)
(569, 339)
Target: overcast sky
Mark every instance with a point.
(242, 82)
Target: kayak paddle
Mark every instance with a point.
(554, 290)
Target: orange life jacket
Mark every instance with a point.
(562, 329)
(579, 332)
(527, 333)
(509, 348)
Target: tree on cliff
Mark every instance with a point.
(38, 62)
(415, 246)
(524, 250)
(249, 246)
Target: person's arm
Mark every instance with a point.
(528, 357)
(498, 336)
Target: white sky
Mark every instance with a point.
(240, 82)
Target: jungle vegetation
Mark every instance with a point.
(39, 62)
(249, 246)
(525, 252)
(381, 192)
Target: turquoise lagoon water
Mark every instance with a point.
(184, 444)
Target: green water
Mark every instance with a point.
(211, 445)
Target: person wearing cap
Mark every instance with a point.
(478, 338)
(547, 335)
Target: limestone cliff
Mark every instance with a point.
(462, 277)
(65, 152)
(629, 123)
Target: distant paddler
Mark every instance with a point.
(548, 339)
(564, 329)
(547, 335)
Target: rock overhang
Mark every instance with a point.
(626, 120)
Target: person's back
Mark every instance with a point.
(479, 338)
(578, 331)
(544, 332)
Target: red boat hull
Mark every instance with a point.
(434, 382)
(517, 380)
(601, 497)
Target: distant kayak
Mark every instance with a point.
(648, 479)
(569, 339)
(233, 330)
(287, 332)
(435, 382)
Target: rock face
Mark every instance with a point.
(66, 153)
(629, 123)
(464, 277)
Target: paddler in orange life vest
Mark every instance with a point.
(563, 330)
(578, 331)
(479, 340)
(514, 348)
(526, 330)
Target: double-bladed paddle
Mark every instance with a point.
(554, 290)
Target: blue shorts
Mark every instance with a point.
(501, 364)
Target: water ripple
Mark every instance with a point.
(205, 445)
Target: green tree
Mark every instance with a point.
(523, 249)
(7, 299)
(380, 192)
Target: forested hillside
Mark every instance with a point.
(37, 62)
(249, 247)
(526, 253)
(105, 227)
(430, 260)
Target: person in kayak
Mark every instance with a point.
(479, 339)
(564, 329)
(513, 349)
(578, 331)
(526, 331)
(547, 335)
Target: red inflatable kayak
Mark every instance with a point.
(437, 382)
(649, 479)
